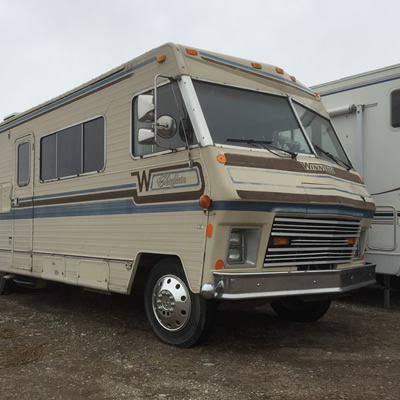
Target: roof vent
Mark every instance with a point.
(12, 115)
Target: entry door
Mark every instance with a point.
(22, 204)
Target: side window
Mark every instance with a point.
(169, 103)
(24, 162)
(395, 108)
(73, 151)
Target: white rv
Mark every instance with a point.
(210, 178)
(365, 109)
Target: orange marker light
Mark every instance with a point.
(205, 201)
(192, 52)
(279, 70)
(161, 59)
(293, 78)
(256, 65)
(209, 230)
(280, 241)
(219, 264)
(351, 241)
(221, 158)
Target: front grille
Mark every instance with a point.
(312, 241)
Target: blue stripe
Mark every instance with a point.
(236, 64)
(127, 207)
(75, 95)
(360, 86)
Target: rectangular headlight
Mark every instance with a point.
(243, 246)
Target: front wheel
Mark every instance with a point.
(176, 315)
(297, 310)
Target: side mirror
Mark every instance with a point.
(146, 108)
(146, 136)
(166, 126)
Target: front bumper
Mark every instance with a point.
(257, 285)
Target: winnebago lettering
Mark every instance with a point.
(193, 176)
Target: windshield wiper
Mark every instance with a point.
(333, 158)
(266, 145)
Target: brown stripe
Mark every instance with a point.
(143, 183)
(304, 198)
(280, 164)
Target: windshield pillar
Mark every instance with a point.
(194, 110)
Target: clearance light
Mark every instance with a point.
(293, 78)
(280, 241)
(209, 230)
(351, 241)
(221, 158)
(316, 95)
(256, 65)
(219, 264)
(161, 59)
(279, 70)
(205, 201)
(192, 52)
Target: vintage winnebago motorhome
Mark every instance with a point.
(208, 177)
(365, 109)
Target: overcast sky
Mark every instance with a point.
(48, 47)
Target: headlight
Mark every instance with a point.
(236, 247)
(243, 246)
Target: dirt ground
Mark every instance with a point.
(60, 343)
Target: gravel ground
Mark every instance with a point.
(60, 343)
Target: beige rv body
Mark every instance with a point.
(95, 229)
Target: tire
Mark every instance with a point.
(296, 310)
(177, 316)
(6, 285)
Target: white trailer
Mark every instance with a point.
(365, 110)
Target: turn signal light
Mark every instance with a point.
(280, 241)
(219, 264)
(205, 201)
(161, 59)
(351, 241)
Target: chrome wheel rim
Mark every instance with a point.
(171, 303)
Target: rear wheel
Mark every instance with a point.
(297, 310)
(6, 285)
(176, 315)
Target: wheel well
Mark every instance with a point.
(145, 264)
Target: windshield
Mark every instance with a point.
(249, 118)
(322, 136)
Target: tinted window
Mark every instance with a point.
(395, 114)
(23, 164)
(48, 157)
(69, 151)
(93, 145)
(73, 151)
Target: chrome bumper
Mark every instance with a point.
(256, 285)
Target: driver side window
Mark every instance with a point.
(169, 103)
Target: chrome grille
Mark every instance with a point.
(312, 241)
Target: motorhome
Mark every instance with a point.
(365, 110)
(207, 177)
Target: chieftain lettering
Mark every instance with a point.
(318, 167)
(170, 180)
